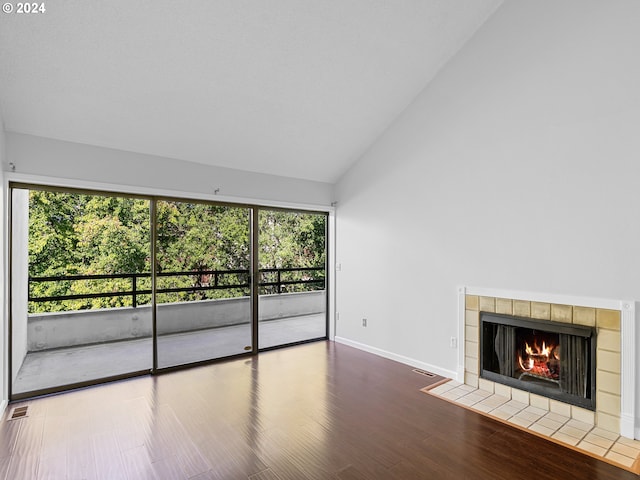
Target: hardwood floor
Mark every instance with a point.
(315, 411)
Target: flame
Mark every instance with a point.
(537, 359)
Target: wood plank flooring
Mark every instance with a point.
(315, 411)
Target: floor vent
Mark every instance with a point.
(424, 372)
(18, 412)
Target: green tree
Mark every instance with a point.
(81, 234)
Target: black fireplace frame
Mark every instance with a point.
(588, 402)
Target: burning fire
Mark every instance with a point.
(542, 361)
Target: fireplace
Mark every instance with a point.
(552, 359)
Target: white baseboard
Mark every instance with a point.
(3, 406)
(398, 358)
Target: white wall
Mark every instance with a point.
(54, 158)
(19, 272)
(517, 168)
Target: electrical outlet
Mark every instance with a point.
(364, 322)
(453, 342)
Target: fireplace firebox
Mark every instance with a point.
(556, 360)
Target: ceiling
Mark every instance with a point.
(288, 87)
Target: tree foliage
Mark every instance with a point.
(80, 234)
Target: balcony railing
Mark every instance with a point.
(273, 280)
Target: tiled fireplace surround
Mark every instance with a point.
(615, 356)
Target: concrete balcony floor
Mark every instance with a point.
(65, 366)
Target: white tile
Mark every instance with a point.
(590, 447)
(583, 415)
(536, 411)
(486, 385)
(579, 425)
(468, 400)
(539, 401)
(573, 432)
(520, 396)
(560, 408)
(503, 415)
(536, 427)
(549, 423)
(511, 411)
(598, 440)
(557, 417)
(631, 443)
(482, 408)
(453, 394)
(565, 438)
(531, 417)
(494, 401)
(517, 405)
(440, 389)
(520, 421)
(621, 459)
(625, 450)
(601, 432)
(502, 390)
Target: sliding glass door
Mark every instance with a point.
(292, 305)
(107, 286)
(80, 296)
(203, 291)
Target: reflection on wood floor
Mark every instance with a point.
(314, 411)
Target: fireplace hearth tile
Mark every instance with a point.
(631, 443)
(445, 387)
(568, 439)
(599, 440)
(520, 395)
(616, 457)
(582, 436)
(454, 394)
(560, 408)
(583, 415)
(508, 409)
(536, 427)
(523, 422)
(539, 401)
(625, 450)
(591, 448)
(470, 399)
(494, 401)
(572, 432)
(550, 423)
(501, 414)
(601, 432)
(528, 415)
(558, 417)
(502, 390)
(518, 406)
(480, 407)
(486, 385)
(585, 427)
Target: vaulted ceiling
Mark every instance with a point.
(288, 87)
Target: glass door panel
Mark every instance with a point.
(203, 293)
(292, 302)
(80, 289)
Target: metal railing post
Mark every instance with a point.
(134, 290)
